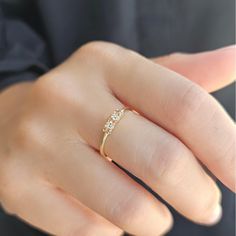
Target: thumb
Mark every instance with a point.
(212, 69)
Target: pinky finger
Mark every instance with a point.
(55, 212)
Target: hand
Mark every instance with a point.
(51, 174)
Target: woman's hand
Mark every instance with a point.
(51, 173)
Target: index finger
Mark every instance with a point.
(212, 70)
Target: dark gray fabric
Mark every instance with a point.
(37, 35)
(22, 52)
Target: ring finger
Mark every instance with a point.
(157, 157)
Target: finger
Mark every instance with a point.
(104, 188)
(55, 212)
(167, 166)
(212, 70)
(175, 103)
(153, 155)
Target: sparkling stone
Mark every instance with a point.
(109, 126)
(115, 116)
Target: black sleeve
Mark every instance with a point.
(23, 54)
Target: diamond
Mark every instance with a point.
(115, 116)
(109, 126)
(112, 121)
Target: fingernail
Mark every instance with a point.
(216, 215)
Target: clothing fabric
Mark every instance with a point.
(37, 35)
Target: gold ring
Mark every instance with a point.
(109, 126)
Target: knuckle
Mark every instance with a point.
(99, 53)
(188, 104)
(53, 91)
(70, 83)
(166, 163)
(58, 86)
(27, 134)
(46, 89)
(129, 211)
(97, 49)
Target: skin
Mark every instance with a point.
(52, 175)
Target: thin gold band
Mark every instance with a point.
(109, 126)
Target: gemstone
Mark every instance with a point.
(111, 122)
(109, 126)
(115, 116)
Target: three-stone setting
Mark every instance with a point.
(113, 119)
(109, 126)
